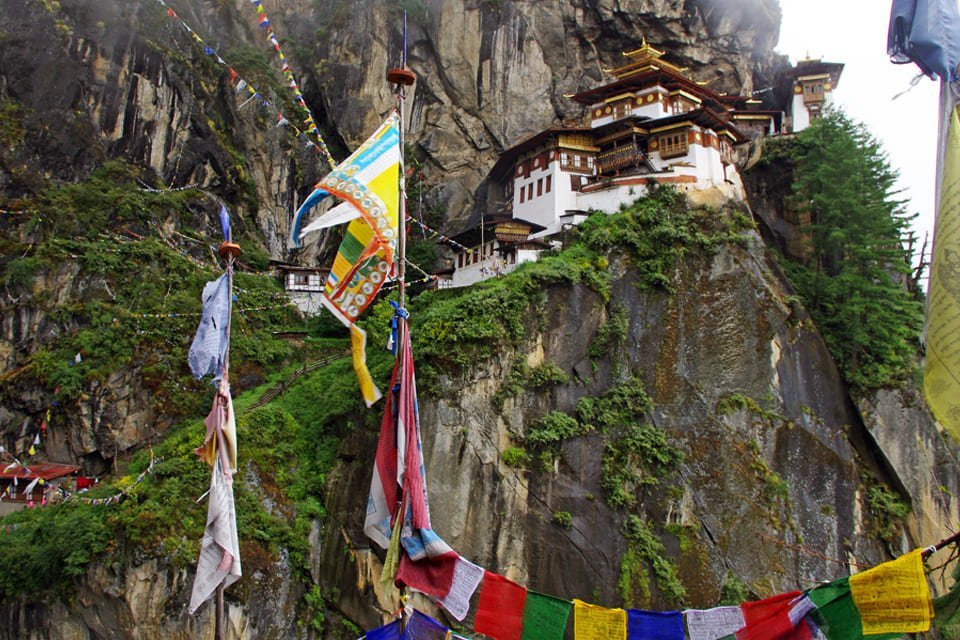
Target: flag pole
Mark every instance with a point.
(228, 251)
(401, 77)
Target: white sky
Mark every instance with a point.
(854, 32)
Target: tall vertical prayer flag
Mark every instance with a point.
(654, 625)
(941, 379)
(208, 350)
(369, 183)
(500, 609)
(927, 32)
(894, 597)
(593, 622)
(219, 562)
(397, 508)
(545, 617)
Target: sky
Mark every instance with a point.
(854, 32)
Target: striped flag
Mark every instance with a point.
(369, 184)
(397, 506)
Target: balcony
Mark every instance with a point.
(626, 157)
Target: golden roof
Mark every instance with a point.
(646, 57)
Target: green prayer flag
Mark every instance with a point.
(837, 615)
(544, 617)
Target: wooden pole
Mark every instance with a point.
(229, 252)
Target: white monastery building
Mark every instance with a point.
(650, 124)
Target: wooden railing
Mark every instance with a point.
(276, 390)
(626, 156)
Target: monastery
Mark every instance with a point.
(650, 124)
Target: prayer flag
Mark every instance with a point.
(225, 223)
(466, 579)
(428, 564)
(219, 562)
(423, 627)
(208, 351)
(712, 624)
(500, 609)
(941, 379)
(593, 622)
(369, 181)
(780, 617)
(654, 625)
(894, 597)
(221, 437)
(926, 32)
(545, 617)
(389, 631)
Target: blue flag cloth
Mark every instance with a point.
(423, 627)
(654, 625)
(389, 631)
(926, 32)
(225, 223)
(209, 348)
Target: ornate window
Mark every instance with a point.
(673, 144)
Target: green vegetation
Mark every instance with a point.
(45, 549)
(887, 510)
(734, 591)
(645, 550)
(562, 519)
(852, 279)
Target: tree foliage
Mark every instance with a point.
(852, 278)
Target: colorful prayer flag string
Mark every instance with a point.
(264, 22)
(241, 84)
(436, 234)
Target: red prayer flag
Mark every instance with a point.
(500, 609)
(777, 618)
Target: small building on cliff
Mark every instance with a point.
(809, 85)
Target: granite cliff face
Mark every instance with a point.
(779, 461)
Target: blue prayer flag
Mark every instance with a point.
(389, 631)
(654, 625)
(926, 32)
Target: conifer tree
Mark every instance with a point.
(853, 277)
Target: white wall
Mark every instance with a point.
(798, 111)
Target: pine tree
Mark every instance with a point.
(853, 278)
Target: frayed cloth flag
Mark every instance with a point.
(466, 578)
(781, 617)
(711, 624)
(654, 625)
(221, 435)
(500, 609)
(420, 626)
(219, 562)
(426, 562)
(544, 617)
(209, 348)
(390, 631)
(593, 622)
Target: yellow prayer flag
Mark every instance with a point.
(941, 378)
(358, 347)
(894, 597)
(593, 622)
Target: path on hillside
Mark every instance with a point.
(278, 389)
